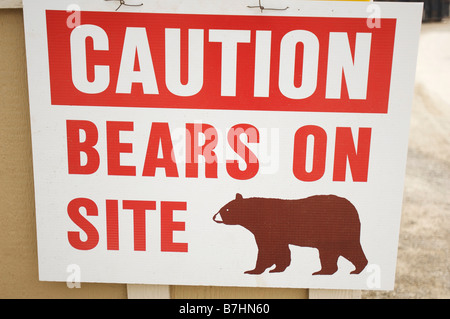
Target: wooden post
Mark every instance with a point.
(136, 291)
(334, 294)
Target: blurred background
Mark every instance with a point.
(423, 264)
(433, 10)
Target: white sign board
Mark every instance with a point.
(209, 143)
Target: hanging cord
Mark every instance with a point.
(122, 2)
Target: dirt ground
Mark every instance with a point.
(423, 264)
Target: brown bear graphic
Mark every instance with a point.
(326, 222)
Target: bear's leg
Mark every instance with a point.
(282, 258)
(328, 260)
(263, 262)
(357, 257)
(265, 257)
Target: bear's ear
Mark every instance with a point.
(238, 196)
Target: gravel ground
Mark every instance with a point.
(423, 264)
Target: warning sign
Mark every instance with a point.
(210, 143)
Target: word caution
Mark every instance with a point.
(199, 62)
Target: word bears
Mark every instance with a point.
(308, 163)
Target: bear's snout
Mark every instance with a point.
(219, 221)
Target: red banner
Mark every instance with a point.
(192, 61)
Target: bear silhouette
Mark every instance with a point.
(326, 222)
